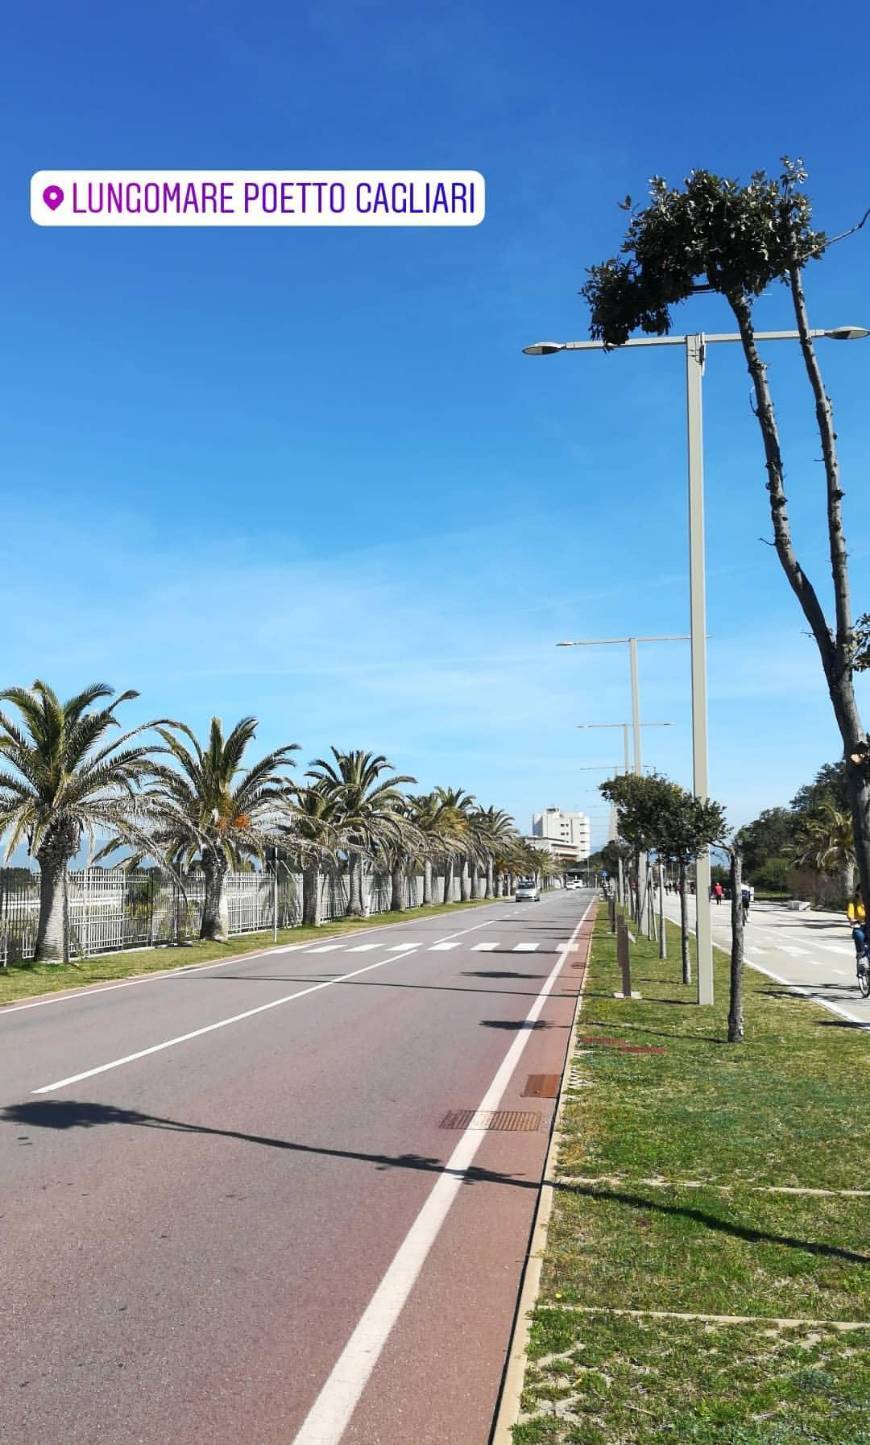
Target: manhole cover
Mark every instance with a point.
(513, 1120)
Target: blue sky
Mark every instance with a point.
(309, 476)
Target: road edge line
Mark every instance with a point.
(333, 1408)
(513, 1375)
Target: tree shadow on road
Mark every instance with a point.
(519, 1025)
(63, 1114)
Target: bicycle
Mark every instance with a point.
(862, 959)
(864, 971)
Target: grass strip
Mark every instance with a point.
(29, 980)
(732, 1122)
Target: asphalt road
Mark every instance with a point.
(812, 952)
(231, 1209)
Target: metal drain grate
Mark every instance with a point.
(513, 1120)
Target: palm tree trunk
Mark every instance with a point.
(848, 878)
(355, 907)
(448, 879)
(397, 888)
(465, 881)
(427, 881)
(311, 895)
(52, 934)
(215, 909)
(490, 882)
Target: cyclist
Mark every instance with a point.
(857, 915)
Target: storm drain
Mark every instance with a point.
(513, 1120)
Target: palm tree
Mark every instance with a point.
(425, 811)
(494, 829)
(457, 807)
(209, 809)
(828, 843)
(68, 782)
(401, 855)
(369, 810)
(311, 836)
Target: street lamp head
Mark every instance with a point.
(564, 644)
(847, 333)
(544, 348)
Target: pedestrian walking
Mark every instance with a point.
(745, 899)
(718, 890)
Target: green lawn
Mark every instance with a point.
(714, 1126)
(29, 980)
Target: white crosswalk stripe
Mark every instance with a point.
(442, 947)
(362, 948)
(400, 947)
(524, 948)
(486, 947)
(326, 948)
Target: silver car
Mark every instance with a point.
(527, 892)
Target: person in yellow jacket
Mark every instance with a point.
(857, 915)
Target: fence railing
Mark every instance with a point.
(116, 908)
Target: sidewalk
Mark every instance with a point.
(706, 1271)
(811, 952)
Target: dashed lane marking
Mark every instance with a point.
(442, 947)
(486, 947)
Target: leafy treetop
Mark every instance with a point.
(713, 235)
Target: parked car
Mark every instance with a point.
(527, 892)
(573, 883)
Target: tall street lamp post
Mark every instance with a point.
(625, 727)
(695, 347)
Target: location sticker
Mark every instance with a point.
(52, 195)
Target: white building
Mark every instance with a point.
(568, 832)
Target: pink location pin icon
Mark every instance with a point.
(52, 195)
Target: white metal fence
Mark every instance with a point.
(116, 908)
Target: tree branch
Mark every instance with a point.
(798, 580)
(851, 231)
(825, 424)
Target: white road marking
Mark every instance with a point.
(840, 972)
(326, 948)
(442, 947)
(89, 990)
(400, 947)
(524, 948)
(807, 992)
(794, 952)
(363, 947)
(236, 1018)
(328, 1417)
(840, 948)
(485, 947)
